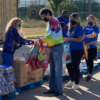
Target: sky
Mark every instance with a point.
(28, 2)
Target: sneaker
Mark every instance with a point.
(75, 87)
(88, 78)
(69, 84)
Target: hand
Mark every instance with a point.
(66, 39)
(30, 42)
(83, 36)
(36, 43)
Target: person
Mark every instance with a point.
(75, 35)
(13, 40)
(54, 40)
(91, 35)
(63, 29)
(65, 19)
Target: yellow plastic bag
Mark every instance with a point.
(85, 56)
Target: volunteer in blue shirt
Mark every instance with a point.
(64, 18)
(75, 35)
(63, 26)
(13, 41)
(91, 35)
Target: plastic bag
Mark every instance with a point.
(66, 57)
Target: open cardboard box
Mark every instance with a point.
(16, 58)
(19, 65)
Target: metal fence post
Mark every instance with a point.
(89, 7)
(36, 19)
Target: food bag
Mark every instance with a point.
(43, 56)
(31, 57)
(66, 57)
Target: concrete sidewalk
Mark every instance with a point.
(88, 90)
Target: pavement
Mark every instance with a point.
(88, 90)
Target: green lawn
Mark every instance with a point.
(34, 32)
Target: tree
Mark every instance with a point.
(67, 5)
(33, 10)
(53, 4)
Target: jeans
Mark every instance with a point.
(92, 52)
(73, 68)
(7, 59)
(55, 79)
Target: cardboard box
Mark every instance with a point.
(19, 65)
(16, 58)
(21, 78)
(34, 76)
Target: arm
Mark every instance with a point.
(79, 39)
(91, 35)
(54, 35)
(79, 34)
(19, 39)
(94, 34)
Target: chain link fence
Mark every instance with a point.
(29, 11)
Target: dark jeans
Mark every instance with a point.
(92, 52)
(73, 68)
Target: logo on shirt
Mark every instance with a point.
(89, 29)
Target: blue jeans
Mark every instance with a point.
(7, 59)
(55, 79)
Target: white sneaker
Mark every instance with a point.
(75, 86)
(69, 84)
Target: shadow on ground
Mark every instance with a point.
(88, 90)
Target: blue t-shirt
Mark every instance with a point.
(64, 33)
(89, 30)
(76, 32)
(66, 21)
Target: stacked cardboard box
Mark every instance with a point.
(36, 75)
(20, 72)
(23, 73)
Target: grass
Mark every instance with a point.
(41, 26)
(34, 32)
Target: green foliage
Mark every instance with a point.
(33, 10)
(53, 4)
(67, 5)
